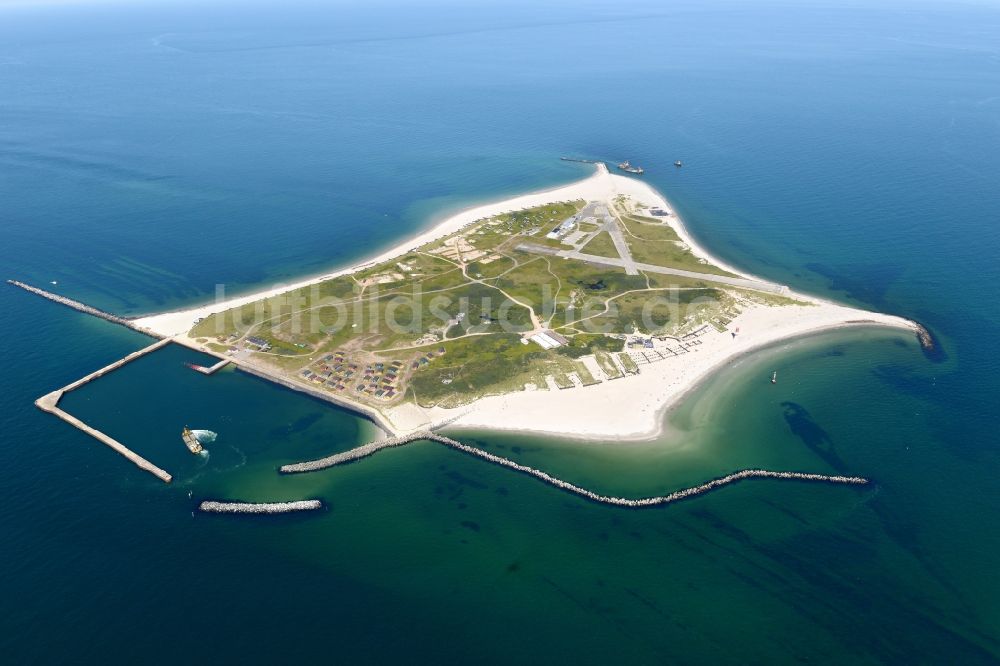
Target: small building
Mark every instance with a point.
(564, 228)
(548, 340)
(263, 344)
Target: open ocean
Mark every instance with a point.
(148, 153)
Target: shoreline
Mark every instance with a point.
(179, 322)
(638, 403)
(672, 404)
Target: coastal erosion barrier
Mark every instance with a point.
(50, 403)
(362, 451)
(675, 496)
(686, 493)
(932, 348)
(265, 507)
(82, 307)
(577, 159)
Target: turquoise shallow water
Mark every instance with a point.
(148, 154)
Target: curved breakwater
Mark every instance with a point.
(686, 493)
(265, 507)
(675, 496)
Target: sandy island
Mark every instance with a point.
(631, 407)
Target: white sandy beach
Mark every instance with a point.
(631, 407)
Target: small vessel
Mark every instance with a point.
(774, 377)
(194, 446)
(678, 163)
(628, 168)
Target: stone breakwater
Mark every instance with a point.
(676, 496)
(82, 307)
(362, 451)
(266, 507)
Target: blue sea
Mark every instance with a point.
(152, 151)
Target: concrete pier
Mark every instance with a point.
(83, 307)
(211, 370)
(50, 403)
(265, 507)
(686, 493)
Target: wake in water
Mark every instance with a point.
(204, 436)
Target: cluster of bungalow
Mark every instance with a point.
(380, 380)
(426, 358)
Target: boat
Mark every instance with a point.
(628, 168)
(678, 163)
(194, 446)
(774, 377)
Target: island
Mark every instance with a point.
(584, 310)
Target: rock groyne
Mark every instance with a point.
(930, 345)
(678, 495)
(675, 496)
(212, 506)
(83, 307)
(362, 451)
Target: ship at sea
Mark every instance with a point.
(629, 168)
(194, 446)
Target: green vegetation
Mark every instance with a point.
(602, 246)
(657, 231)
(472, 293)
(494, 232)
(669, 254)
(652, 241)
(495, 268)
(628, 363)
(607, 365)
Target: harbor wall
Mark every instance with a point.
(50, 403)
